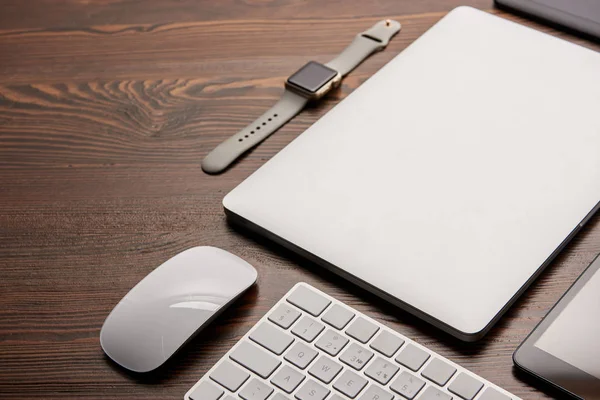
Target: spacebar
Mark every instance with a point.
(255, 359)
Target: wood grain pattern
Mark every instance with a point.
(107, 108)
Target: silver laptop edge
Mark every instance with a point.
(237, 220)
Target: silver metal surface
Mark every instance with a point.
(450, 179)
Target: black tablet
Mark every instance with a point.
(564, 349)
(579, 15)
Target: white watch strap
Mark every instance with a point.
(228, 151)
(290, 104)
(363, 45)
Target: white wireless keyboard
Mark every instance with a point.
(311, 346)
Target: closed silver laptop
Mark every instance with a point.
(448, 180)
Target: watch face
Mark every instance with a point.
(312, 76)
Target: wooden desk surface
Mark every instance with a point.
(107, 108)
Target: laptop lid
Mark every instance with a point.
(448, 180)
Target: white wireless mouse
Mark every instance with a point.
(171, 305)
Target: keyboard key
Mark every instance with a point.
(284, 316)
(376, 393)
(362, 330)
(407, 385)
(465, 386)
(387, 343)
(335, 397)
(350, 384)
(271, 338)
(308, 329)
(432, 393)
(338, 316)
(228, 397)
(382, 370)
(356, 356)
(229, 376)
(438, 371)
(493, 394)
(309, 301)
(206, 391)
(255, 359)
(311, 390)
(331, 342)
(301, 355)
(287, 379)
(325, 369)
(412, 357)
(278, 396)
(256, 390)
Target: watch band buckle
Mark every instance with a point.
(382, 32)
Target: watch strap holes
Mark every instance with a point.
(257, 128)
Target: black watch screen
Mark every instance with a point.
(312, 76)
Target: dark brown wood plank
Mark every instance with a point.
(107, 108)
(223, 50)
(215, 53)
(77, 13)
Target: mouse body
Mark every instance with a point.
(172, 304)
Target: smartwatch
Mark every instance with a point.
(311, 82)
